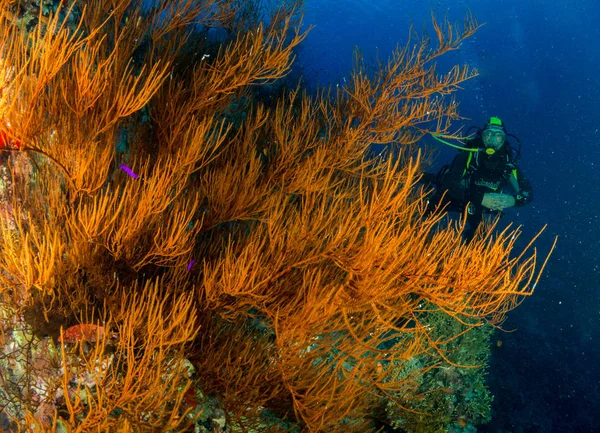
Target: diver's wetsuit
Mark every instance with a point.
(472, 174)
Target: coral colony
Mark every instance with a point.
(267, 274)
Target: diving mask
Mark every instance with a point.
(493, 139)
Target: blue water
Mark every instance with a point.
(539, 64)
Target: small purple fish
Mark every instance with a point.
(128, 171)
(190, 264)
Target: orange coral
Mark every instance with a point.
(314, 265)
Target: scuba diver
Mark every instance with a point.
(483, 178)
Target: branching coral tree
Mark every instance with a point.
(162, 203)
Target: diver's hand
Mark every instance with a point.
(497, 201)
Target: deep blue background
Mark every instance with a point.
(539, 71)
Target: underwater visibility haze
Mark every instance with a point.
(215, 216)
